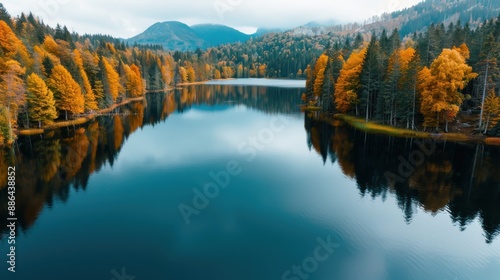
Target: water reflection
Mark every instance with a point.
(463, 180)
(49, 166)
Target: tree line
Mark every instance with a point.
(49, 74)
(425, 80)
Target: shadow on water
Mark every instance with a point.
(463, 180)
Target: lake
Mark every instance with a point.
(230, 180)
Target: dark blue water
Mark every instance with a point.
(234, 182)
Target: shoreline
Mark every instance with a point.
(77, 121)
(372, 127)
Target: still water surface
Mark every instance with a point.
(104, 201)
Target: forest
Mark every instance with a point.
(443, 79)
(50, 74)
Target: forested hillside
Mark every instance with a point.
(426, 80)
(49, 74)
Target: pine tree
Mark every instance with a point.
(489, 70)
(5, 16)
(371, 79)
(491, 110)
(409, 80)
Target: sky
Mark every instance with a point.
(126, 18)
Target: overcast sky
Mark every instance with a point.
(125, 18)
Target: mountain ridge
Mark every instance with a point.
(178, 36)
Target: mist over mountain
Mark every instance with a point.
(174, 35)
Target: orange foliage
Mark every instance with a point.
(88, 93)
(112, 79)
(319, 73)
(67, 92)
(440, 84)
(348, 83)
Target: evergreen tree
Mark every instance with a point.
(5, 16)
(488, 71)
(371, 78)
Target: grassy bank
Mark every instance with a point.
(373, 127)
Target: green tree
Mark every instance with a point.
(488, 71)
(371, 78)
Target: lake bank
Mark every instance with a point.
(372, 127)
(77, 121)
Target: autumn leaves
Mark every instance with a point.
(57, 78)
(440, 86)
(398, 90)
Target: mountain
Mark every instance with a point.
(174, 35)
(215, 34)
(313, 24)
(263, 31)
(413, 19)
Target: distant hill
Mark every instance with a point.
(422, 15)
(413, 19)
(215, 34)
(263, 31)
(174, 35)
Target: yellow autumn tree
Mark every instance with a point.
(111, 80)
(41, 103)
(491, 110)
(217, 75)
(406, 56)
(134, 83)
(262, 70)
(319, 73)
(12, 47)
(191, 74)
(440, 86)
(183, 74)
(348, 84)
(88, 93)
(67, 92)
(50, 45)
(12, 89)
